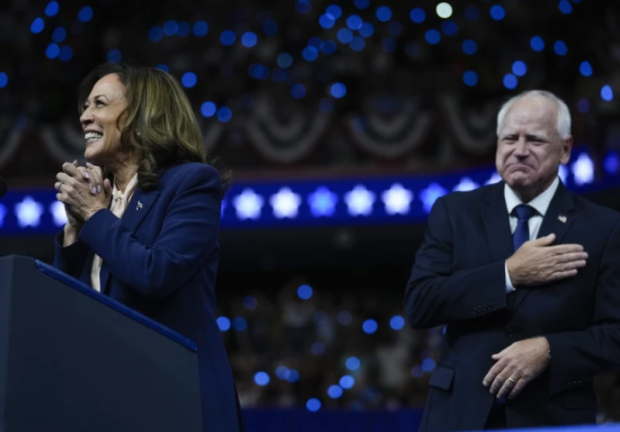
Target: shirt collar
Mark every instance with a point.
(540, 203)
(131, 186)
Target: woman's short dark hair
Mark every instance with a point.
(158, 124)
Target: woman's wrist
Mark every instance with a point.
(71, 233)
(92, 212)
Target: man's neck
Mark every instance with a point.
(527, 195)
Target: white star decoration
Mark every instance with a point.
(397, 199)
(28, 212)
(583, 170)
(285, 203)
(359, 201)
(495, 178)
(57, 209)
(430, 195)
(322, 202)
(465, 185)
(248, 204)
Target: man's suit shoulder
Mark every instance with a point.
(596, 213)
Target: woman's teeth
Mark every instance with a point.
(93, 136)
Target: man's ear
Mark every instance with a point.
(567, 147)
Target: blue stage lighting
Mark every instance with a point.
(417, 15)
(384, 13)
(498, 13)
(228, 37)
(249, 39)
(223, 323)
(201, 28)
(366, 30)
(52, 51)
(519, 68)
(433, 37)
(304, 292)
(85, 14)
(224, 114)
(37, 25)
(585, 68)
(338, 90)
(537, 43)
(189, 79)
(59, 34)
(470, 47)
(369, 326)
(510, 81)
(208, 109)
(156, 34)
(52, 8)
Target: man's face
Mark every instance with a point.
(529, 148)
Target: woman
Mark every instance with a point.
(144, 230)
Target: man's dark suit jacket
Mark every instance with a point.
(161, 260)
(458, 281)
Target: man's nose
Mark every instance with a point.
(521, 148)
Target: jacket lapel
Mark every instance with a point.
(557, 220)
(497, 224)
(138, 207)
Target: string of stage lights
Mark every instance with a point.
(348, 201)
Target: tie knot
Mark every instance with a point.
(524, 212)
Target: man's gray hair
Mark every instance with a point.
(564, 120)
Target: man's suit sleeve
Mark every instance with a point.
(187, 238)
(582, 355)
(436, 294)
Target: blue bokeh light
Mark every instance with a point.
(303, 6)
(607, 93)
(318, 348)
(304, 292)
(565, 7)
(37, 25)
(315, 42)
(270, 28)
(611, 162)
(345, 35)
(239, 324)
(189, 79)
(384, 13)
(66, 52)
(201, 28)
(4, 79)
(171, 28)
(208, 109)
(291, 375)
(472, 13)
(347, 382)
(498, 13)
(284, 60)
(470, 78)
(417, 15)
(310, 53)
(537, 43)
(261, 378)
(354, 22)
(353, 363)
(281, 372)
(510, 81)
(428, 364)
(259, 71)
(249, 302)
(223, 323)
(313, 405)
(224, 114)
(585, 68)
(326, 21)
(156, 34)
(470, 47)
(560, 48)
(583, 106)
(361, 4)
(163, 67)
(334, 11)
(338, 90)
(52, 51)
(59, 34)
(85, 14)
(449, 27)
(358, 43)
(519, 68)
(366, 30)
(249, 39)
(184, 29)
(114, 56)
(369, 326)
(397, 322)
(334, 391)
(228, 37)
(52, 8)
(433, 36)
(298, 90)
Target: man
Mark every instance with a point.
(525, 276)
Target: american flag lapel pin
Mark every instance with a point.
(562, 218)
(139, 206)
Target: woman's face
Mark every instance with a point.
(100, 119)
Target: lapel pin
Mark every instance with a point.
(562, 218)
(139, 206)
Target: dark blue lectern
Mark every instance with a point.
(72, 359)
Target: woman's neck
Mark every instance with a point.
(123, 175)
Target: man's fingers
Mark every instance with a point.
(493, 372)
(506, 388)
(564, 249)
(563, 274)
(572, 256)
(517, 388)
(500, 381)
(544, 241)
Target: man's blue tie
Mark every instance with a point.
(522, 234)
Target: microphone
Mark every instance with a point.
(3, 187)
